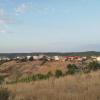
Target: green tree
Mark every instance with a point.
(58, 73)
(40, 76)
(72, 68)
(1, 79)
(49, 74)
(94, 65)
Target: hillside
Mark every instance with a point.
(13, 69)
(77, 87)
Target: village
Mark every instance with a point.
(51, 58)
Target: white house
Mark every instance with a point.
(28, 57)
(98, 59)
(56, 58)
(35, 58)
(40, 56)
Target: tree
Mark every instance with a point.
(72, 68)
(58, 73)
(94, 65)
(49, 74)
(1, 79)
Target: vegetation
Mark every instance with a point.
(53, 86)
(70, 87)
(58, 73)
(88, 53)
(1, 79)
(49, 74)
(72, 68)
(4, 93)
(94, 66)
(33, 77)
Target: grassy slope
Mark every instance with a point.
(78, 87)
(13, 70)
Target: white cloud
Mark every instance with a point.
(6, 21)
(23, 8)
(43, 10)
(4, 31)
(4, 17)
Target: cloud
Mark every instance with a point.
(5, 31)
(23, 8)
(6, 21)
(2, 31)
(4, 17)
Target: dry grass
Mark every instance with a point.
(13, 70)
(78, 87)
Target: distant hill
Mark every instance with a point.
(88, 53)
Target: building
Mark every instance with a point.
(98, 59)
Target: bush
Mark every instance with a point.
(1, 79)
(58, 73)
(41, 76)
(94, 65)
(33, 77)
(49, 74)
(4, 94)
(72, 68)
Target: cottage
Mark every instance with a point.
(98, 59)
(41, 57)
(28, 57)
(70, 58)
(84, 58)
(94, 58)
(18, 58)
(78, 59)
(48, 58)
(56, 58)
(35, 57)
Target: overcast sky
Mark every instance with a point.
(49, 25)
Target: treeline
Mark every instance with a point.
(89, 53)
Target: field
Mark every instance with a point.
(80, 86)
(77, 87)
(13, 70)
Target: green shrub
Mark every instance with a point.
(1, 79)
(72, 68)
(33, 77)
(49, 74)
(58, 73)
(40, 76)
(94, 65)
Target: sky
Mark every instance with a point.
(49, 25)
